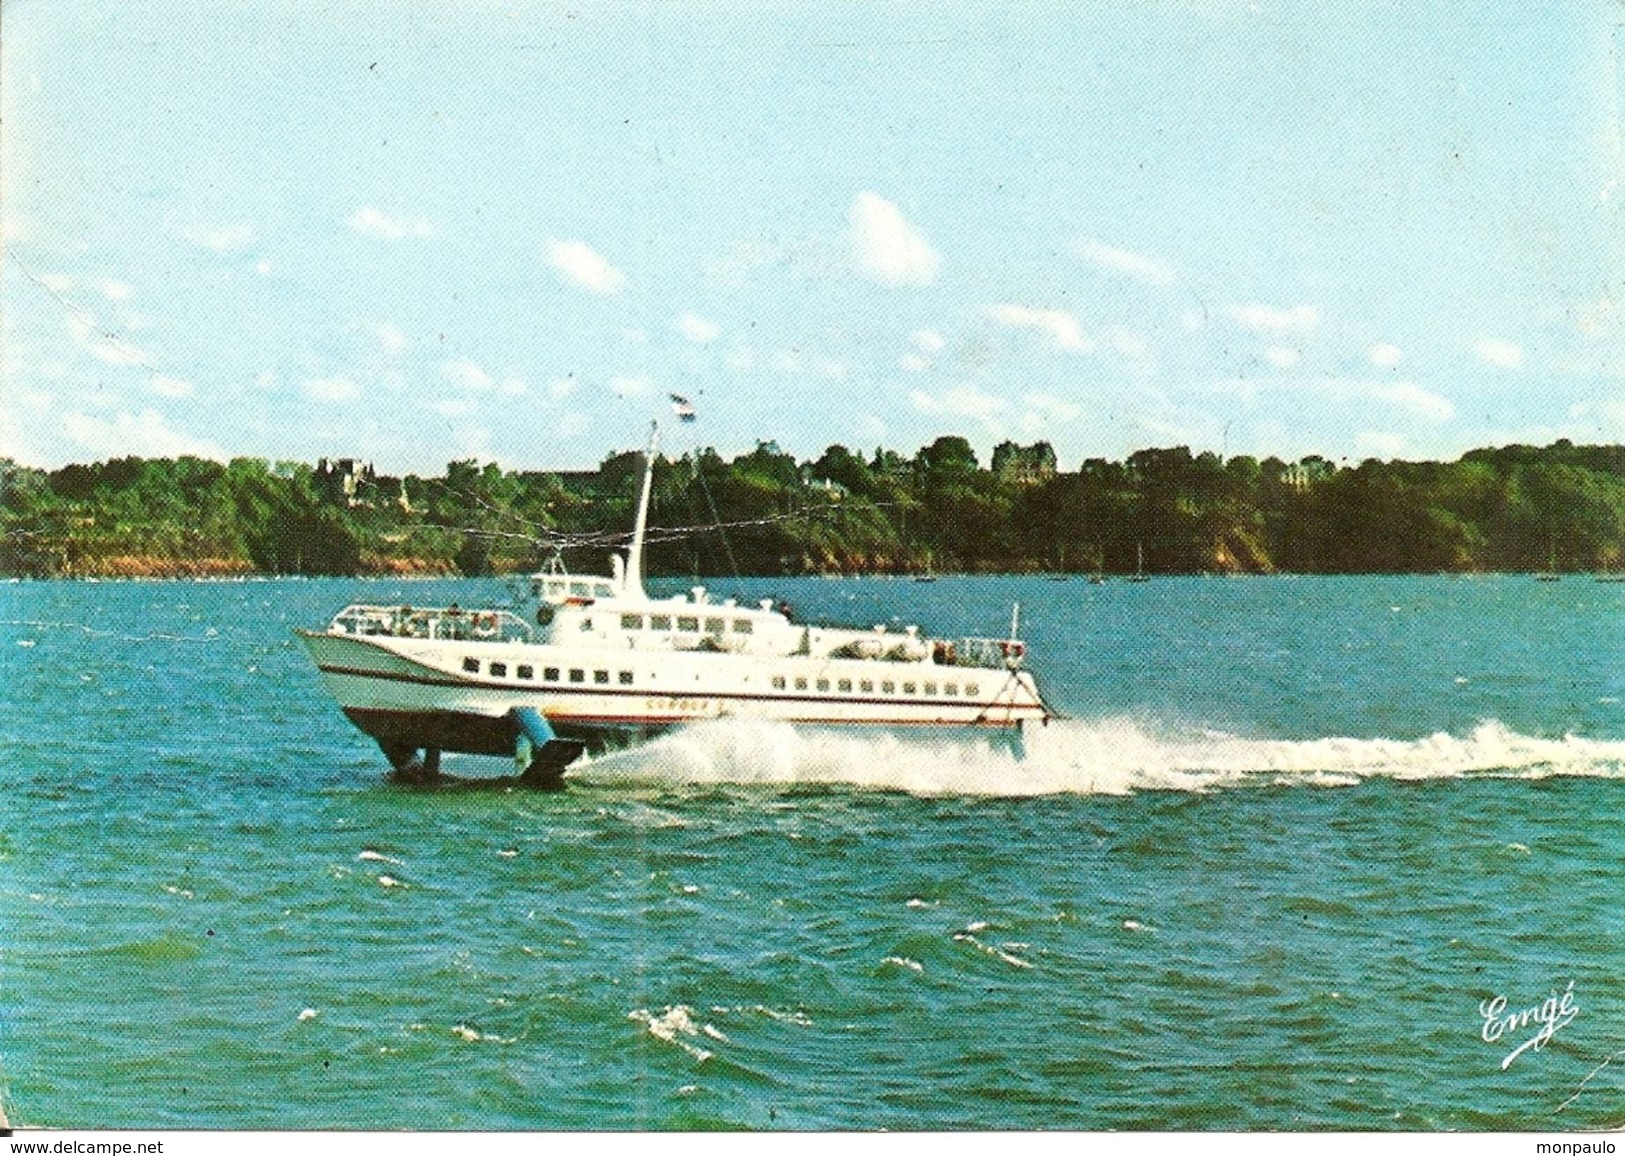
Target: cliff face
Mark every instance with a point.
(147, 566)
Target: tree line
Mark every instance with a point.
(1169, 511)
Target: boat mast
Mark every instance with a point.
(632, 583)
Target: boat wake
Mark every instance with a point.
(1111, 757)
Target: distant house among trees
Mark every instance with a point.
(1023, 465)
(339, 480)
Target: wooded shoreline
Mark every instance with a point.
(1558, 508)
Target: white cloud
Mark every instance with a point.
(787, 361)
(473, 441)
(466, 375)
(56, 282)
(741, 360)
(1379, 444)
(925, 345)
(1600, 318)
(1127, 342)
(263, 268)
(116, 290)
(961, 401)
(571, 424)
(453, 407)
(1061, 326)
(513, 387)
(1385, 356)
(144, 435)
(1049, 408)
(221, 238)
(629, 386)
(697, 329)
(1500, 353)
(1193, 320)
(1282, 356)
(337, 388)
(885, 247)
(391, 338)
(831, 368)
(104, 347)
(1410, 396)
(578, 263)
(170, 387)
(376, 223)
(1264, 319)
(560, 388)
(1130, 264)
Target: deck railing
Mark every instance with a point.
(990, 653)
(438, 622)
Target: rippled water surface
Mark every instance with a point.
(1288, 839)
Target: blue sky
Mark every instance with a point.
(418, 232)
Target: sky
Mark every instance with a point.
(415, 233)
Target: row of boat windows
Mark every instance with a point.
(527, 673)
(887, 686)
(688, 624)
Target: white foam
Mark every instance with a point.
(675, 1023)
(1112, 756)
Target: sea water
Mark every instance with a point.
(1301, 853)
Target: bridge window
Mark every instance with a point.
(801, 684)
(660, 622)
(626, 678)
(743, 626)
(930, 688)
(844, 686)
(631, 622)
(778, 682)
(908, 688)
(601, 677)
(713, 626)
(526, 672)
(823, 684)
(586, 623)
(550, 674)
(499, 670)
(472, 665)
(692, 625)
(973, 689)
(888, 687)
(578, 676)
(951, 690)
(867, 686)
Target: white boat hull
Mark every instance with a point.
(436, 695)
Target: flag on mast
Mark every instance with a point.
(682, 407)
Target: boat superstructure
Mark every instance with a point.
(604, 664)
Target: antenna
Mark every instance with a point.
(632, 583)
